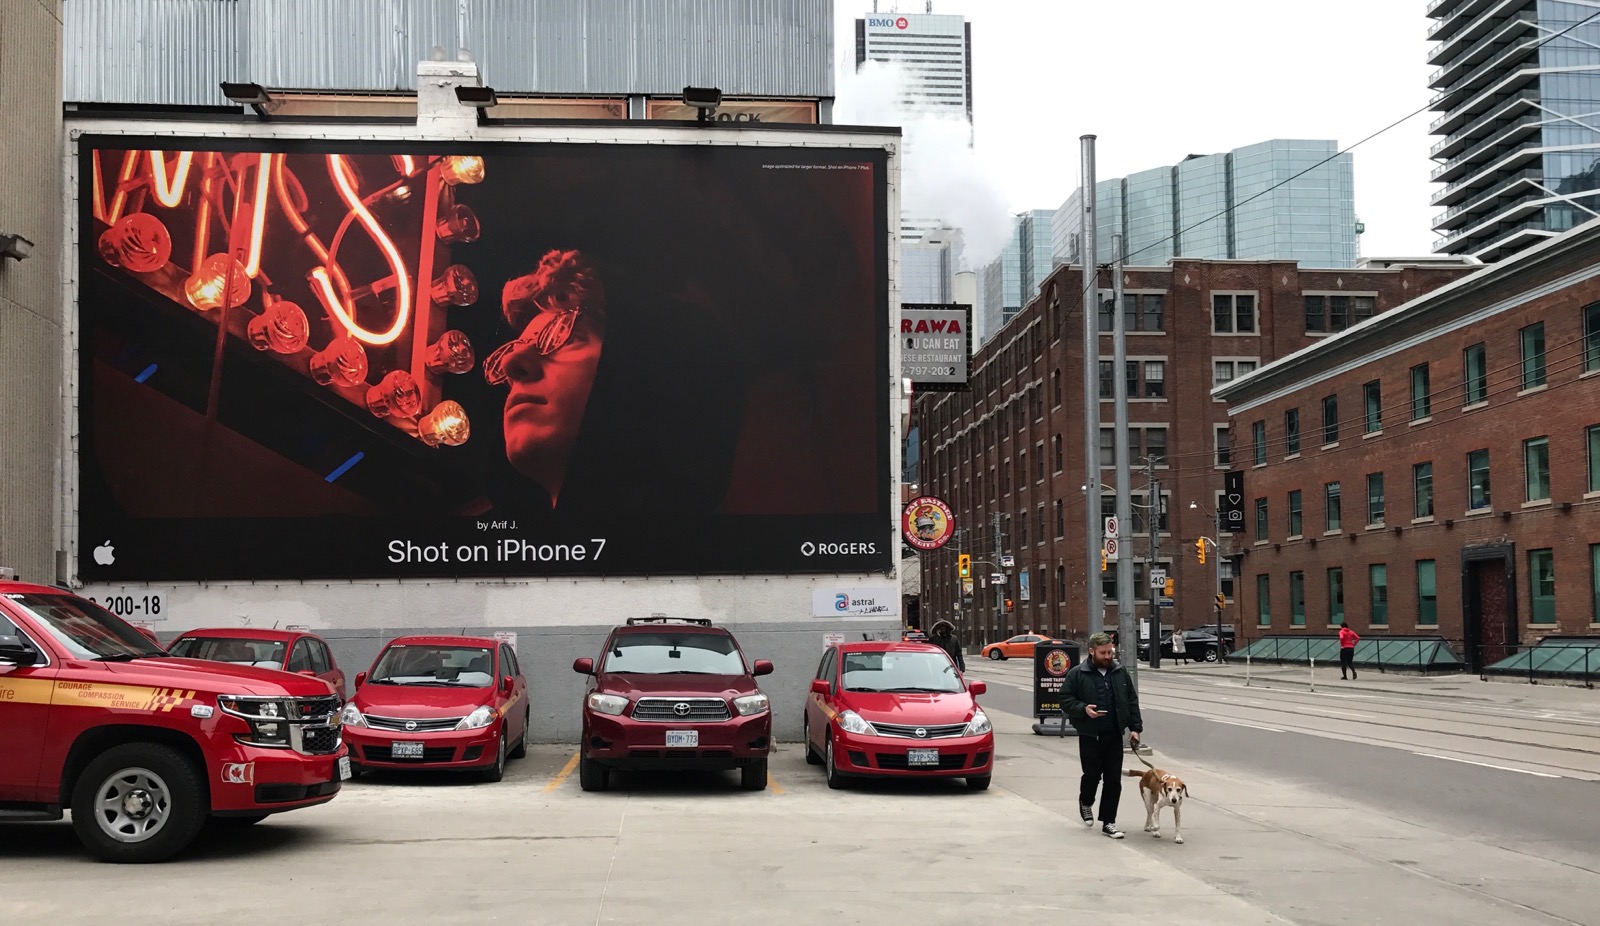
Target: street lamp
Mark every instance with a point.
(1216, 526)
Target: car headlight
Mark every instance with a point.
(851, 722)
(978, 725)
(478, 719)
(608, 703)
(262, 715)
(752, 704)
(351, 717)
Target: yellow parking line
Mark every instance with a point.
(561, 776)
(772, 783)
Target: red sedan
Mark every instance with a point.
(442, 704)
(292, 650)
(900, 710)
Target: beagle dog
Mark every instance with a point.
(1161, 789)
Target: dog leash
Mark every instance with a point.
(1135, 750)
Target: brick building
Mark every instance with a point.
(1436, 470)
(1007, 454)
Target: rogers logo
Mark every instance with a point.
(901, 23)
(837, 549)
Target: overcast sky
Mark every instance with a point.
(1159, 79)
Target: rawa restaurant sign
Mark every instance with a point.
(856, 601)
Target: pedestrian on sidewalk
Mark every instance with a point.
(1347, 650)
(944, 637)
(1180, 647)
(1101, 702)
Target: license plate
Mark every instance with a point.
(344, 768)
(406, 749)
(922, 757)
(683, 739)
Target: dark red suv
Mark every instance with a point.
(673, 693)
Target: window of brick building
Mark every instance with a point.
(1038, 462)
(1478, 480)
(1421, 397)
(1055, 387)
(1476, 376)
(1427, 594)
(1224, 458)
(1056, 445)
(1335, 594)
(1295, 522)
(1330, 420)
(1329, 313)
(1591, 338)
(1261, 519)
(1233, 313)
(1422, 490)
(1291, 432)
(1297, 599)
(1533, 367)
(1378, 591)
(1264, 601)
(1542, 586)
(1155, 379)
(1333, 506)
(1375, 500)
(1593, 434)
(1594, 582)
(1258, 442)
(1061, 520)
(1536, 467)
(1372, 397)
(1226, 371)
(1108, 382)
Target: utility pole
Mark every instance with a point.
(1093, 596)
(999, 590)
(1127, 636)
(1216, 545)
(1155, 553)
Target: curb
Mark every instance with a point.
(1296, 683)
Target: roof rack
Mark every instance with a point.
(664, 619)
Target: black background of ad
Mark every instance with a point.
(125, 327)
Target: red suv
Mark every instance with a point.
(301, 653)
(673, 693)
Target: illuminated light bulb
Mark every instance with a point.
(282, 329)
(456, 286)
(458, 225)
(137, 242)
(462, 168)
(452, 353)
(399, 194)
(446, 424)
(396, 394)
(342, 363)
(204, 288)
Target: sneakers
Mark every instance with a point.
(1111, 831)
(1086, 811)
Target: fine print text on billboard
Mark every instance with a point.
(356, 360)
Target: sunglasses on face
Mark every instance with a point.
(551, 338)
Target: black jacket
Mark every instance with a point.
(952, 645)
(1079, 692)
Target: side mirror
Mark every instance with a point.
(819, 686)
(977, 687)
(361, 679)
(763, 667)
(17, 651)
(507, 684)
(584, 666)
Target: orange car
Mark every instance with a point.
(1018, 647)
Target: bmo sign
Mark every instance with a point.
(887, 22)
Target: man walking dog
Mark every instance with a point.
(1101, 702)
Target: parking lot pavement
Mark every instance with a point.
(685, 849)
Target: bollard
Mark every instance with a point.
(1247, 669)
(1313, 673)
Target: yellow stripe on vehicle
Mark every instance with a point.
(24, 691)
(117, 697)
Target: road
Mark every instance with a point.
(1493, 786)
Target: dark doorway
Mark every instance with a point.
(1489, 604)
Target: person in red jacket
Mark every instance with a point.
(1347, 650)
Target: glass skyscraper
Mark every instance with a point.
(1285, 199)
(1519, 154)
(1006, 283)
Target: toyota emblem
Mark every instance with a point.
(411, 725)
(681, 708)
(921, 732)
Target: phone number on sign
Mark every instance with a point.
(928, 371)
(128, 605)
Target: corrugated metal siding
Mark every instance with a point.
(177, 51)
(30, 290)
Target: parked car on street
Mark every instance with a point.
(142, 747)
(440, 703)
(673, 693)
(1018, 647)
(1199, 646)
(291, 650)
(896, 710)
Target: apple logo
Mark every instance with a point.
(103, 554)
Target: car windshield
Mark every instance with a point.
(268, 654)
(444, 666)
(932, 672)
(674, 654)
(84, 629)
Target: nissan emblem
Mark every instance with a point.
(411, 725)
(922, 732)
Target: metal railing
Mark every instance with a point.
(1573, 661)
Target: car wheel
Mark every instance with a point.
(237, 822)
(1211, 655)
(521, 750)
(139, 802)
(996, 655)
(753, 777)
(835, 780)
(592, 776)
(356, 771)
(811, 753)
(497, 771)
(978, 783)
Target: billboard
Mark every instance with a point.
(342, 359)
(936, 346)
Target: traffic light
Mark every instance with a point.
(1171, 586)
(1222, 601)
(1103, 559)
(1010, 606)
(1200, 550)
(965, 561)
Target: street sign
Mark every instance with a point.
(997, 578)
(1167, 602)
(1111, 527)
(1158, 578)
(966, 586)
(1110, 546)
(832, 639)
(1007, 561)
